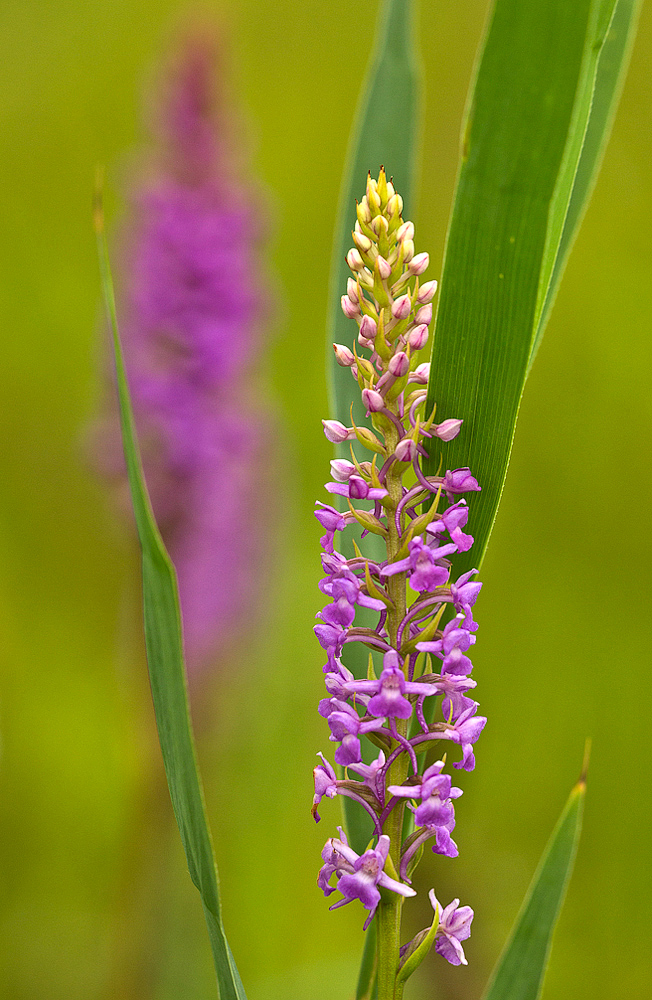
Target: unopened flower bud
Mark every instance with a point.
(427, 292)
(421, 374)
(354, 371)
(399, 365)
(418, 337)
(341, 470)
(419, 263)
(336, 431)
(343, 355)
(380, 226)
(368, 329)
(406, 450)
(363, 213)
(354, 260)
(448, 429)
(390, 190)
(401, 307)
(424, 314)
(352, 290)
(408, 250)
(384, 269)
(372, 400)
(349, 309)
(362, 242)
(395, 205)
(405, 232)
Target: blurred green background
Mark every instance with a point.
(95, 900)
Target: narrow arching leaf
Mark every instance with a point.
(521, 190)
(609, 79)
(163, 641)
(521, 968)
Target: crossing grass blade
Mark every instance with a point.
(521, 968)
(163, 641)
(540, 110)
(384, 133)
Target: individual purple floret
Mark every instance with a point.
(358, 875)
(418, 609)
(191, 314)
(454, 927)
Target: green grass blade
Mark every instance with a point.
(367, 975)
(609, 78)
(523, 143)
(163, 640)
(384, 132)
(521, 968)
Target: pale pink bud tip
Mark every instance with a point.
(368, 328)
(405, 232)
(406, 450)
(341, 470)
(424, 314)
(427, 292)
(384, 269)
(399, 365)
(348, 308)
(401, 308)
(421, 374)
(419, 263)
(354, 260)
(417, 338)
(343, 355)
(372, 400)
(352, 290)
(448, 429)
(336, 432)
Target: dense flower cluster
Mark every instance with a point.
(191, 314)
(425, 629)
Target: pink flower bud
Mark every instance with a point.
(405, 232)
(399, 365)
(337, 432)
(372, 400)
(427, 292)
(352, 290)
(408, 250)
(343, 355)
(354, 260)
(348, 308)
(448, 429)
(401, 307)
(368, 329)
(406, 450)
(419, 263)
(424, 314)
(364, 342)
(421, 374)
(418, 337)
(341, 470)
(384, 269)
(359, 490)
(354, 370)
(362, 242)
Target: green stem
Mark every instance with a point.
(390, 906)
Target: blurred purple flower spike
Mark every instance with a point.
(192, 312)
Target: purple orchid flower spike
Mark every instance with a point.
(408, 596)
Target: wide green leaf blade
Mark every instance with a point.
(521, 968)
(163, 641)
(384, 133)
(511, 228)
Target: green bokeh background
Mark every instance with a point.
(95, 901)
